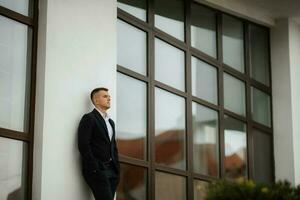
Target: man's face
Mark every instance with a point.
(102, 99)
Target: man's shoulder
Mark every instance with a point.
(88, 116)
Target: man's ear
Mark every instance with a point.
(95, 100)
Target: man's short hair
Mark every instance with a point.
(94, 91)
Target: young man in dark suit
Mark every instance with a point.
(98, 148)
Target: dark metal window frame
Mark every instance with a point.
(152, 33)
(27, 136)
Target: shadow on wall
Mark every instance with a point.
(14, 195)
(86, 192)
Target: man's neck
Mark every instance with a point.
(102, 110)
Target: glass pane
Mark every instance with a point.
(262, 156)
(169, 59)
(169, 17)
(15, 61)
(132, 117)
(136, 8)
(204, 81)
(170, 129)
(259, 43)
(200, 189)
(205, 140)
(233, 43)
(133, 58)
(133, 183)
(203, 30)
(234, 95)
(23, 7)
(235, 148)
(260, 107)
(13, 169)
(169, 186)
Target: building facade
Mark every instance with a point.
(201, 91)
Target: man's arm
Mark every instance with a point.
(84, 137)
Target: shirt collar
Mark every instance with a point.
(104, 115)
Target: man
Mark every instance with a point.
(98, 148)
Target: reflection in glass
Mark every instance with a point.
(132, 48)
(203, 30)
(259, 51)
(15, 54)
(233, 43)
(169, 186)
(13, 169)
(204, 81)
(261, 107)
(136, 8)
(235, 148)
(169, 59)
(205, 140)
(200, 189)
(23, 7)
(170, 129)
(262, 156)
(169, 17)
(133, 183)
(132, 117)
(234, 95)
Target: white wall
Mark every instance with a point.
(76, 53)
(285, 51)
(294, 43)
(281, 88)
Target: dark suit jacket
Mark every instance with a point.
(94, 144)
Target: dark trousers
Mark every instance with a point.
(103, 183)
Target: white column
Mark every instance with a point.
(76, 53)
(294, 40)
(285, 48)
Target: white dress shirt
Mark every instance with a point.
(105, 116)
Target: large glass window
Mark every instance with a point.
(259, 54)
(18, 29)
(133, 183)
(170, 129)
(131, 137)
(163, 64)
(23, 7)
(235, 148)
(261, 106)
(205, 140)
(136, 8)
(262, 156)
(169, 17)
(204, 81)
(15, 46)
(195, 104)
(133, 58)
(13, 168)
(234, 95)
(203, 30)
(233, 43)
(168, 186)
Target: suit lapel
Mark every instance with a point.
(113, 128)
(102, 123)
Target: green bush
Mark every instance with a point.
(248, 190)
